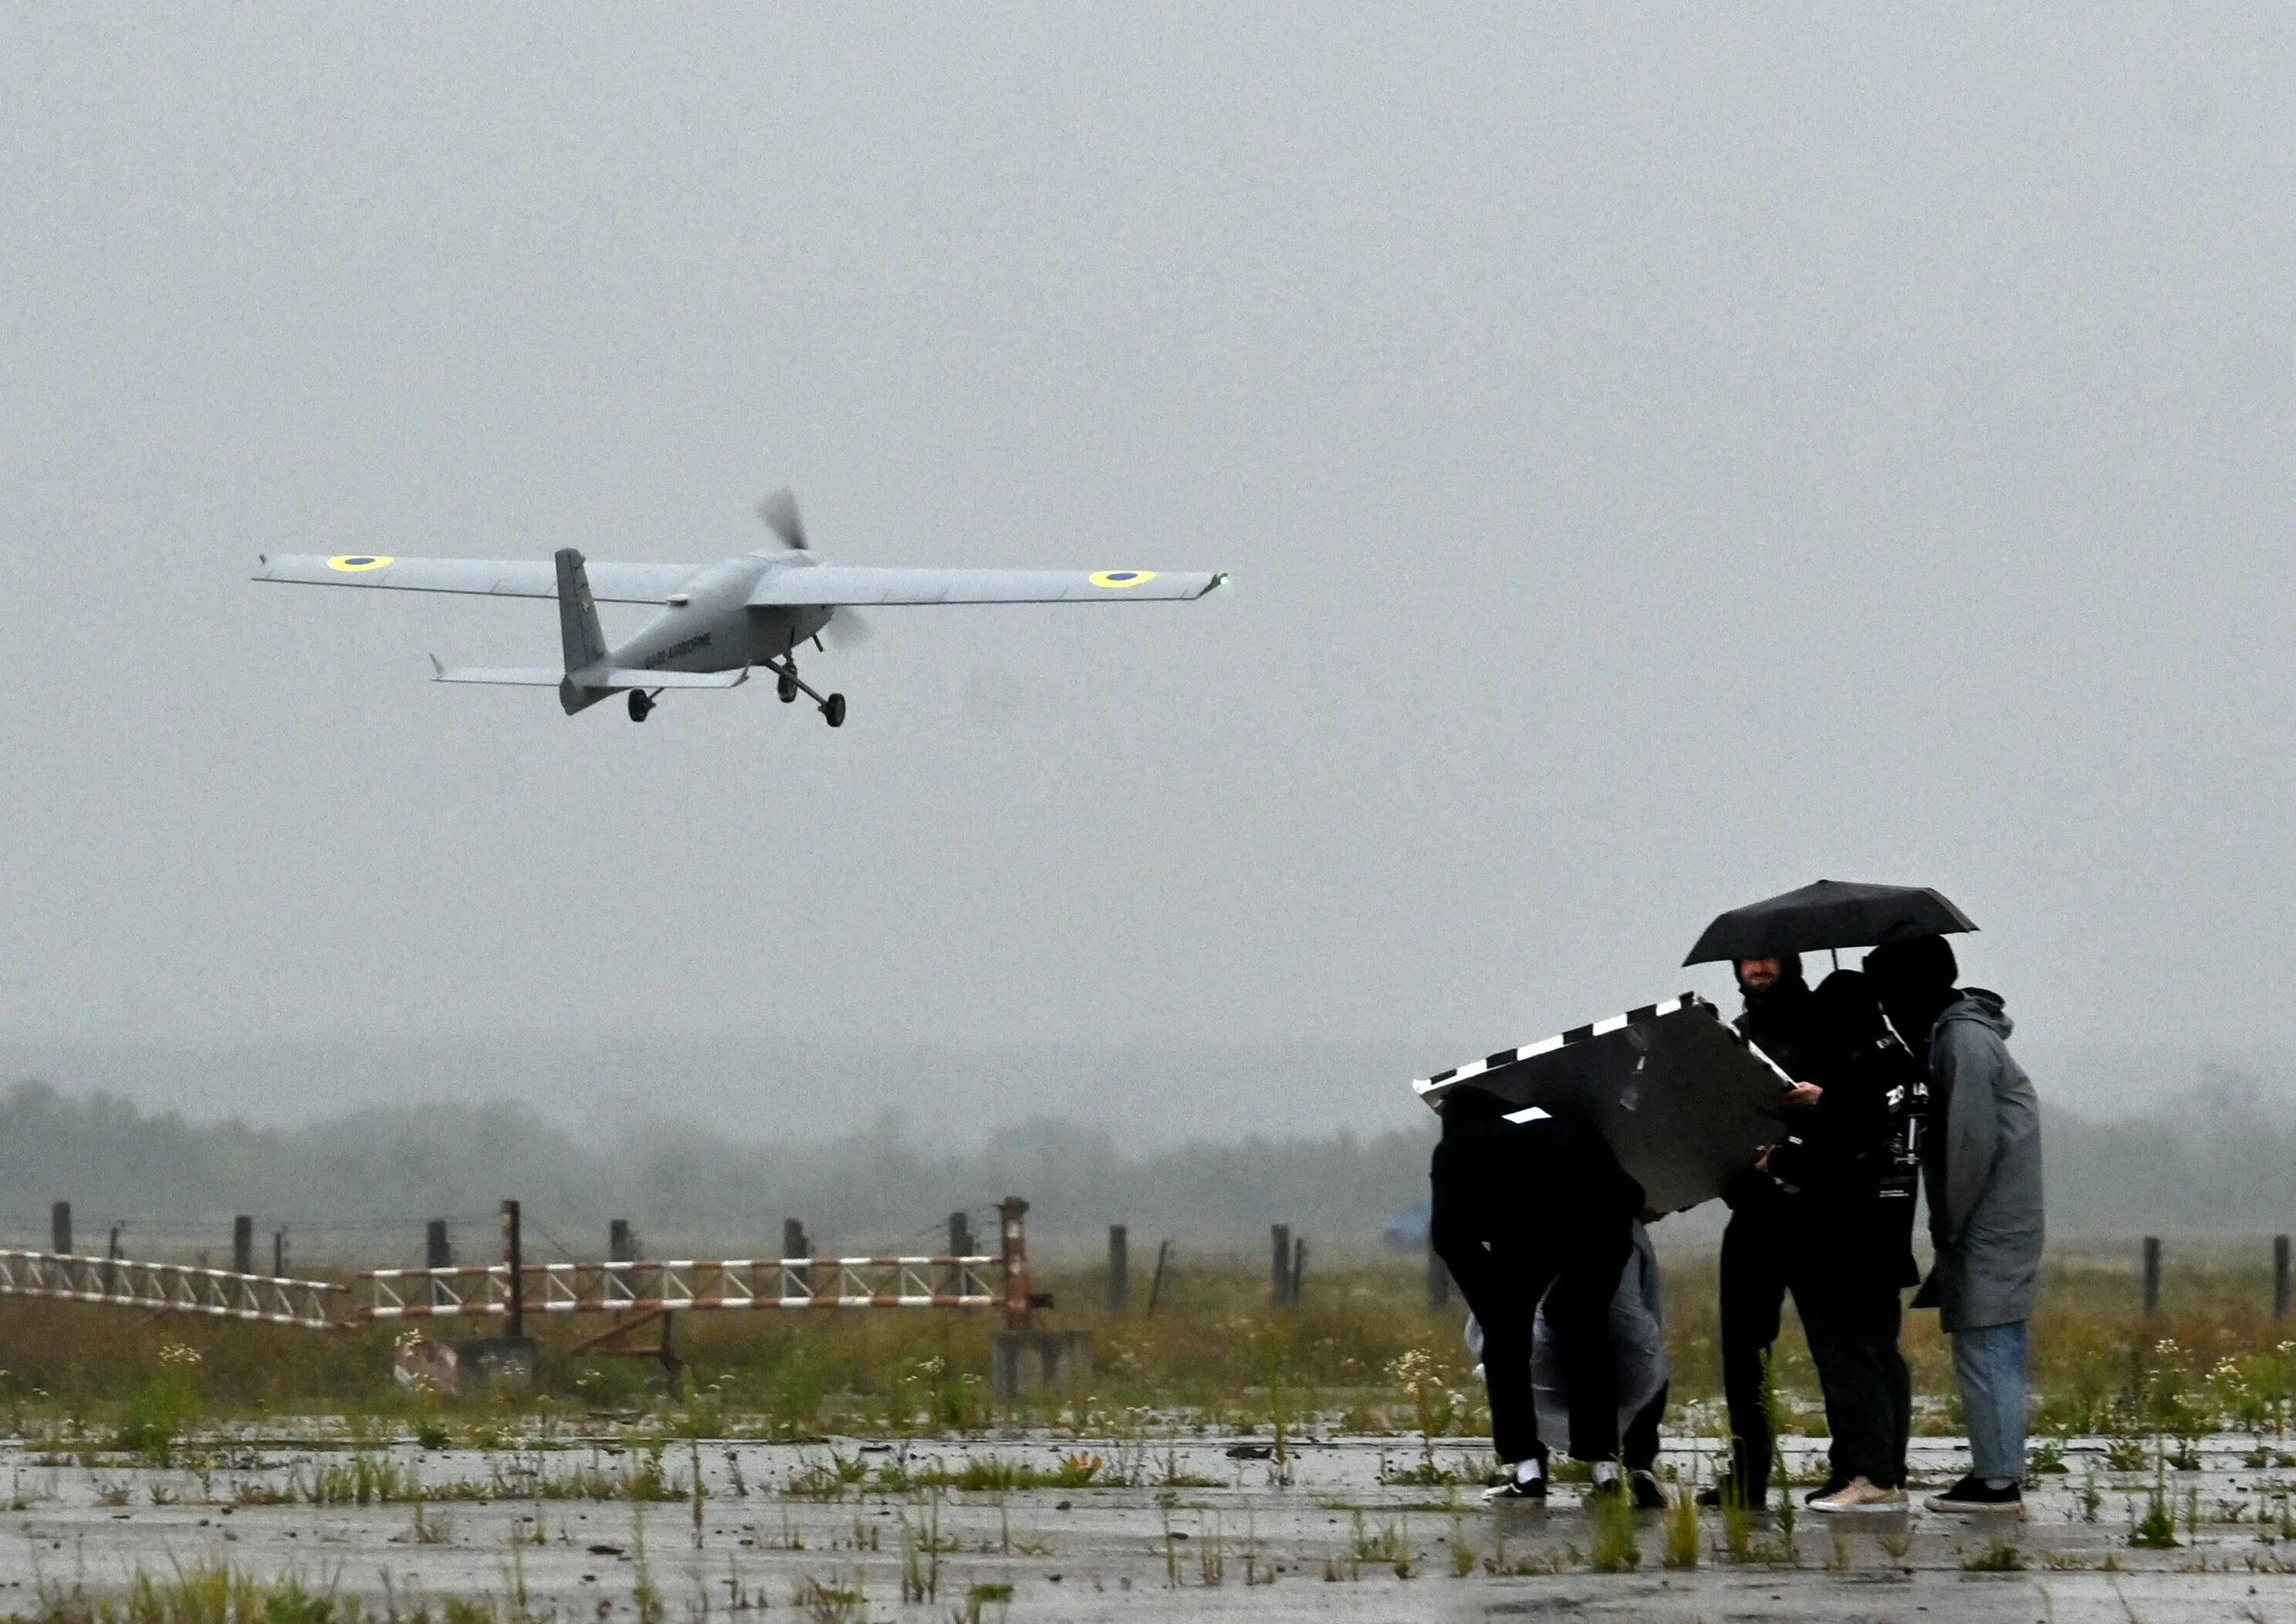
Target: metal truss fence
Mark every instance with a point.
(171, 1288)
(648, 1288)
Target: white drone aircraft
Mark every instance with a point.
(717, 620)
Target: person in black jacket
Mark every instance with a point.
(1518, 1208)
(1760, 1244)
(1850, 1164)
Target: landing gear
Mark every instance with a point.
(833, 705)
(641, 704)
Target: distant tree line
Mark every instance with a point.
(2222, 1156)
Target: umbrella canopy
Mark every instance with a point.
(1829, 913)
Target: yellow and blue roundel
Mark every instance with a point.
(356, 563)
(1120, 578)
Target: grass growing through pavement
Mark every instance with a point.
(1362, 1353)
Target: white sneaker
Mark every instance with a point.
(1860, 1494)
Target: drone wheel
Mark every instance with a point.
(832, 710)
(640, 705)
(788, 688)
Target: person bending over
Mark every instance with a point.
(1638, 1331)
(1524, 1211)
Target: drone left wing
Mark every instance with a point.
(483, 576)
(852, 584)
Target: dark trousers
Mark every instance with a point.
(1755, 1281)
(1869, 1397)
(1524, 1213)
(1640, 1445)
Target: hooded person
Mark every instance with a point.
(1531, 1211)
(1981, 1169)
(1761, 1242)
(1851, 1158)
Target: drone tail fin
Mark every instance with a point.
(577, 614)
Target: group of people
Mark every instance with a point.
(1901, 1082)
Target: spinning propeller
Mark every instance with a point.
(846, 627)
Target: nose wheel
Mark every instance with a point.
(641, 704)
(832, 710)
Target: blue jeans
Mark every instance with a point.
(1988, 1363)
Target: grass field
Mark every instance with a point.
(1362, 1353)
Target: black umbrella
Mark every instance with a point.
(1829, 913)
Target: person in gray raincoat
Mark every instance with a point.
(1982, 1170)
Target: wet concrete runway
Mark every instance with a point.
(1195, 1532)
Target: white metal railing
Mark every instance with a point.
(167, 1288)
(686, 1285)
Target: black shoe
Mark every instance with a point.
(1972, 1493)
(1604, 1488)
(1727, 1488)
(1517, 1489)
(1648, 1494)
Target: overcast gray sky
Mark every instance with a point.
(1665, 455)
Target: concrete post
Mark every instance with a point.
(243, 1246)
(1299, 1268)
(279, 1254)
(1279, 1279)
(1156, 1280)
(438, 1246)
(2152, 1276)
(619, 1247)
(60, 1228)
(2280, 1277)
(1119, 1270)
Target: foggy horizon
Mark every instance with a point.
(1663, 458)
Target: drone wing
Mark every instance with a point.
(483, 576)
(851, 584)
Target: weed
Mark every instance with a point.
(980, 1597)
(2156, 1530)
(1682, 1530)
(1211, 1553)
(2001, 1557)
(1610, 1520)
(645, 1596)
(1463, 1559)
(2127, 1455)
(825, 1601)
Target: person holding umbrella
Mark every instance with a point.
(1780, 1240)
(1981, 1165)
(1762, 1242)
(1851, 1160)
